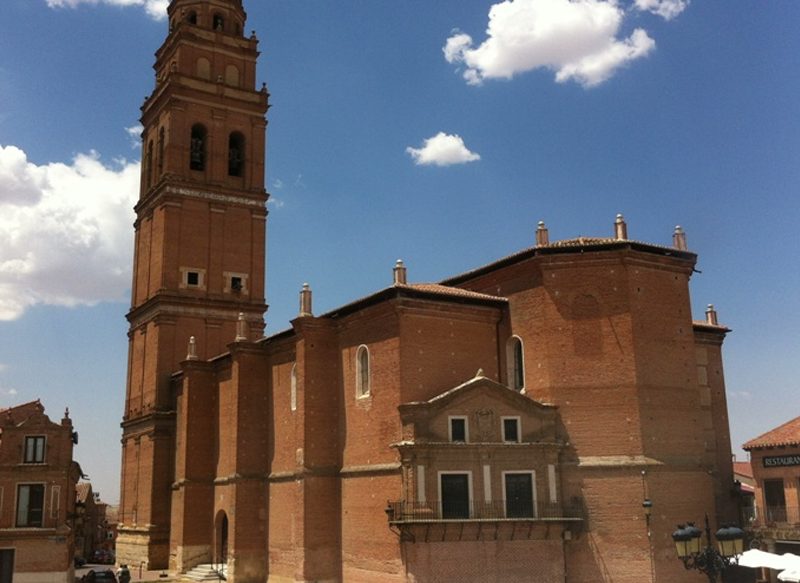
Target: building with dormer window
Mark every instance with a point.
(37, 496)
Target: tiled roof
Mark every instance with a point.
(743, 469)
(434, 289)
(786, 434)
(446, 290)
(566, 246)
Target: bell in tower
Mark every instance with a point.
(199, 256)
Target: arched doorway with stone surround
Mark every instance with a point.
(221, 540)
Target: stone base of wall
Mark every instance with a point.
(51, 577)
(185, 558)
(140, 548)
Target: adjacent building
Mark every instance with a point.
(37, 496)
(775, 460)
(547, 417)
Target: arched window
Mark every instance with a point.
(236, 154)
(362, 371)
(293, 393)
(219, 22)
(516, 363)
(203, 68)
(148, 165)
(192, 18)
(232, 75)
(197, 153)
(160, 151)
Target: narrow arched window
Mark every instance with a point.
(516, 363)
(192, 18)
(219, 22)
(203, 67)
(293, 389)
(160, 151)
(148, 164)
(232, 75)
(236, 154)
(197, 153)
(362, 371)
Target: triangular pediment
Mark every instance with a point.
(479, 385)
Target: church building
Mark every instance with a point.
(548, 417)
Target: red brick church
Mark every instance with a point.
(548, 417)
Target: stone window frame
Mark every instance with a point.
(503, 420)
(227, 279)
(534, 493)
(55, 501)
(450, 419)
(39, 455)
(21, 485)
(363, 380)
(515, 358)
(201, 278)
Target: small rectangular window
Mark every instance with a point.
(34, 449)
(192, 278)
(511, 429)
(236, 284)
(458, 429)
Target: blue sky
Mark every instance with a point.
(667, 111)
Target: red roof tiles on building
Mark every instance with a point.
(786, 434)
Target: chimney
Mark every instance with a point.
(400, 275)
(620, 229)
(191, 351)
(305, 301)
(542, 235)
(241, 328)
(711, 316)
(679, 239)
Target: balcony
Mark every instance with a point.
(774, 522)
(475, 519)
(775, 516)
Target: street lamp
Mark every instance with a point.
(708, 560)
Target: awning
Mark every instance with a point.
(788, 564)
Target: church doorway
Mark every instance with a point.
(221, 531)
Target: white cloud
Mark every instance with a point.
(442, 150)
(68, 240)
(667, 9)
(578, 39)
(135, 134)
(156, 9)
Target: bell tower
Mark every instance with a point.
(199, 256)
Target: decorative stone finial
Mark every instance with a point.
(679, 239)
(305, 301)
(479, 374)
(400, 273)
(241, 328)
(191, 351)
(620, 228)
(542, 235)
(711, 316)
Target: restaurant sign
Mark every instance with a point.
(781, 461)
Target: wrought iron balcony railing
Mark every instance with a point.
(775, 516)
(403, 512)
